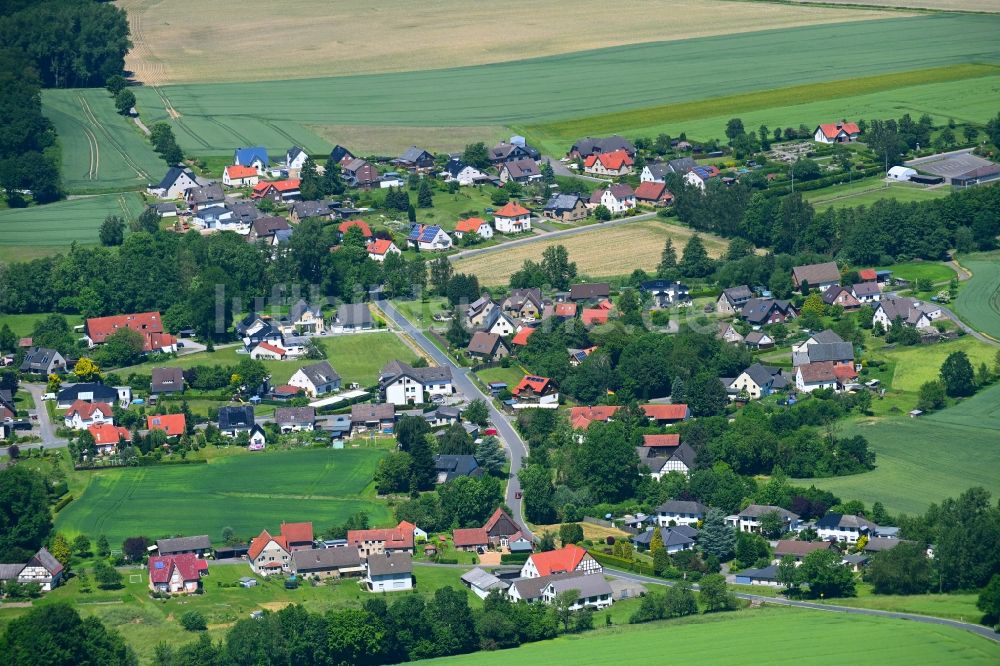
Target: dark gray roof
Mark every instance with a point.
(295, 415)
(43, 558)
(167, 379)
(590, 290)
(590, 145)
(835, 520)
(826, 337)
(454, 466)
(757, 310)
(878, 544)
(293, 152)
(173, 173)
(762, 375)
(682, 165)
(390, 563)
(682, 506)
(183, 544)
(10, 571)
(737, 295)
(365, 413)
(300, 308)
(310, 208)
(266, 226)
(236, 418)
(207, 193)
(523, 168)
(658, 169)
(832, 351)
(338, 153)
(324, 559)
(683, 453)
(354, 314)
(38, 359)
(758, 510)
(100, 393)
(562, 202)
(413, 154)
(671, 537)
(767, 573)
(531, 588)
(484, 580)
(320, 373)
(589, 585)
(396, 369)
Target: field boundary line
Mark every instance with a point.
(92, 118)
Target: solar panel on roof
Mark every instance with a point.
(158, 565)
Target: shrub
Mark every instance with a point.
(193, 621)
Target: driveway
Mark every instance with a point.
(46, 429)
(560, 169)
(516, 448)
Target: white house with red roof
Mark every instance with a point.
(381, 248)
(265, 351)
(176, 574)
(147, 324)
(81, 415)
(397, 539)
(666, 414)
(534, 391)
(236, 175)
(618, 198)
(566, 559)
(473, 225)
(107, 437)
(269, 554)
(614, 163)
(277, 190)
(298, 536)
(513, 218)
(840, 132)
(172, 424)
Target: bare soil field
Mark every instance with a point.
(597, 253)
(189, 41)
(942, 5)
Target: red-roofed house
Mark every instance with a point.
(842, 132)
(240, 176)
(581, 417)
(269, 554)
(868, 275)
(381, 248)
(659, 441)
(473, 225)
(565, 310)
(512, 219)
(298, 536)
(536, 391)
(176, 574)
(278, 190)
(566, 559)
(172, 424)
(265, 351)
(614, 163)
(653, 193)
(366, 231)
(521, 337)
(470, 539)
(81, 414)
(594, 316)
(397, 539)
(107, 437)
(666, 414)
(147, 324)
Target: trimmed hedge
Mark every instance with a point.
(61, 504)
(628, 565)
(514, 558)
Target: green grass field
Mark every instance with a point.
(755, 637)
(916, 365)
(215, 118)
(958, 606)
(358, 358)
(26, 233)
(979, 301)
(24, 324)
(869, 190)
(102, 151)
(934, 271)
(926, 459)
(248, 492)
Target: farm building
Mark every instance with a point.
(901, 173)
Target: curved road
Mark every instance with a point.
(516, 447)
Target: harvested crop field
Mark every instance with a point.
(598, 252)
(349, 38)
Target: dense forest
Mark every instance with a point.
(53, 44)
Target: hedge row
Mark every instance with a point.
(61, 504)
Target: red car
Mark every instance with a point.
(517, 495)
(491, 431)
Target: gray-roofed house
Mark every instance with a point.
(339, 154)
(487, 346)
(303, 318)
(208, 196)
(380, 416)
(841, 353)
(592, 591)
(86, 391)
(758, 340)
(733, 299)
(523, 303)
(911, 312)
(673, 540)
(520, 171)
(508, 152)
(663, 460)
(762, 311)
(482, 582)
(294, 419)
(844, 527)
(452, 466)
(565, 208)
(264, 228)
(867, 292)
(43, 361)
(300, 210)
(236, 419)
(167, 380)
(295, 157)
(841, 296)
(666, 292)
(592, 291)
(824, 337)
(680, 512)
(352, 317)
(654, 172)
(316, 379)
(758, 381)
(174, 184)
(877, 544)
(464, 174)
(43, 569)
(327, 562)
(199, 546)
(529, 590)
(415, 158)
(165, 209)
(402, 384)
(748, 520)
(590, 146)
(389, 572)
(819, 276)
(767, 576)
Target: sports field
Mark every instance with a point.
(248, 492)
(102, 151)
(756, 637)
(941, 454)
(29, 232)
(978, 302)
(213, 118)
(598, 252)
(349, 38)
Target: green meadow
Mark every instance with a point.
(102, 151)
(755, 637)
(215, 118)
(978, 303)
(248, 492)
(867, 191)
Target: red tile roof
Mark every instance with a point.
(297, 532)
(565, 309)
(512, 209)
(99, 328)
(661, 440)
(831, 130)
(650, 191)
(565, 559)
(287, 185)
(172, 424)
(188, 565)
(86, 410)
(271, 348)
(379, 247)
(612, 161)
(521, 337)
(258, 544)
(867, 274)
(581, 417)
(594, 316)
(535, 383)
(666, 412)
(286, 389)
(470, 225)
(360, 224)
(475, 536)
(844, 372)
(392, 537)
(235, 171)
(105, 434)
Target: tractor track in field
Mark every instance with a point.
(92, 119)
(272, 125)
(127, 495)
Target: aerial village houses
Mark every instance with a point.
(376, 542)
(148, 324)
(534, 391)
(473, 225)
(748, 520)
(389, 572)
(174, 184)
(909, 311)
(428, 238)
(512, 218)
(679, 512)
(402, 384)
(43, 568)
(107, 437)
(235, 175)
(81, 415)
(176, 574)
(617, 198)
(839, 132)
(565, 208)
(255, 157)
(316, 379)
(566, 559)
(173, 425)
(463, 174)
(616, 163)
(733, 299)
(520, 171)
(818, 276)
(590, 146)
(43, 361)
(381, 248)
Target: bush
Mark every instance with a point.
(193, 621)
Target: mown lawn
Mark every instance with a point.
(922, 363)
(755, 637)
(957, 606)
(24, 324)
(869, 190)
(511, 376)
(934, 271)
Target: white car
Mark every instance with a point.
(48, 396)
